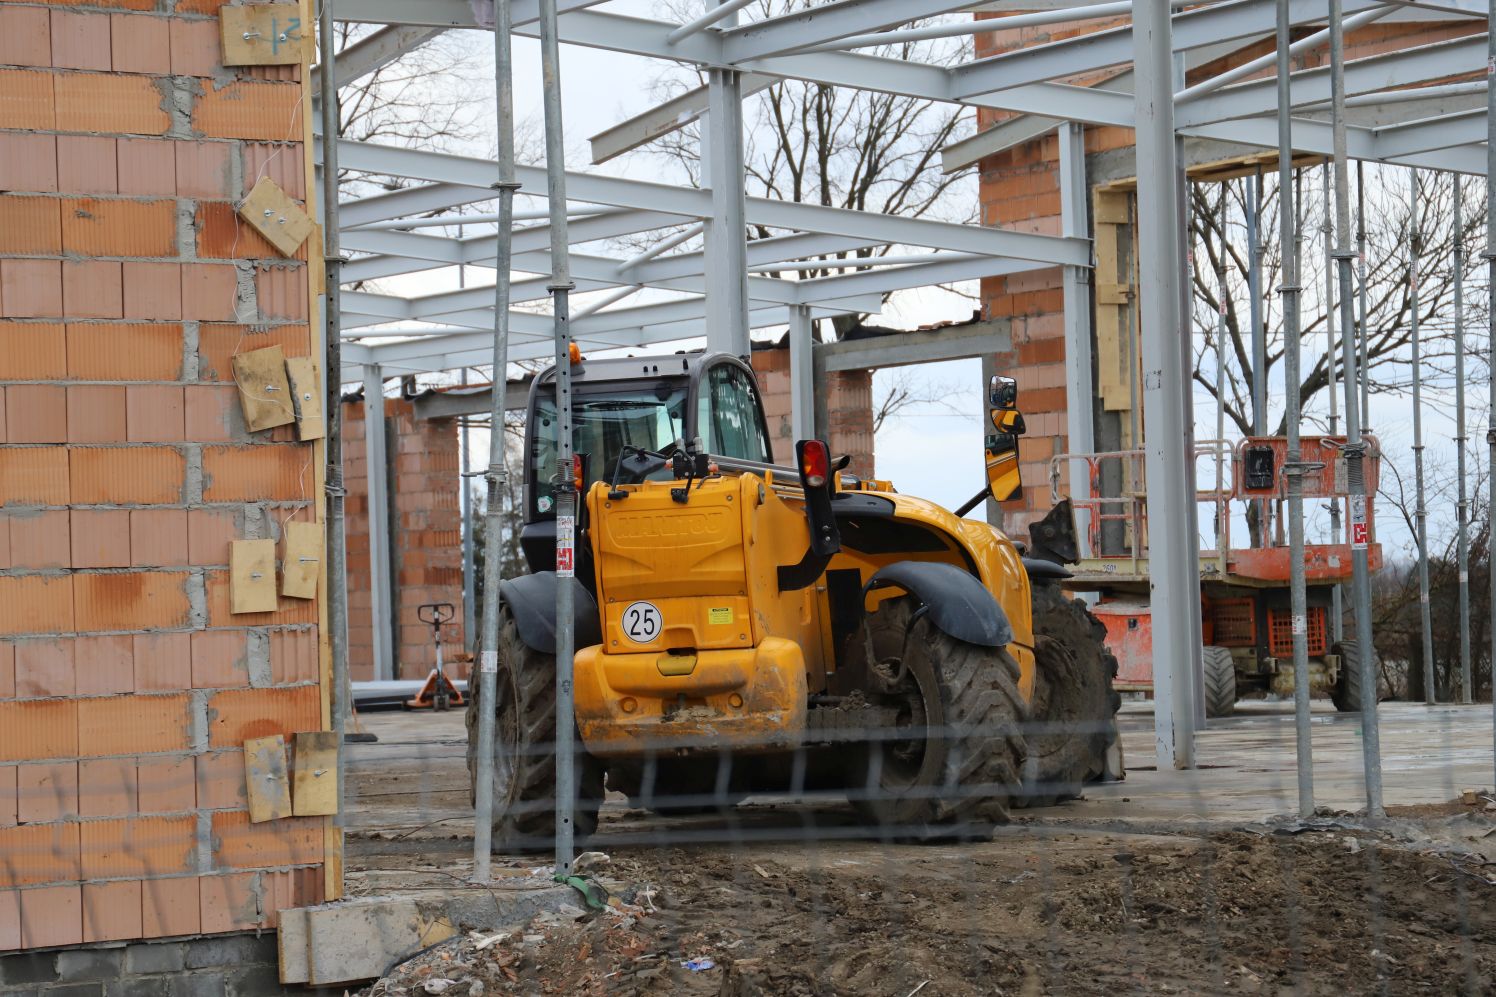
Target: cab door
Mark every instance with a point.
(730, 415)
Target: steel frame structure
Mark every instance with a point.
(1400, 107)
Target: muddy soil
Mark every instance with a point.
(1040, 910)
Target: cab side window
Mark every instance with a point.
(730, 423)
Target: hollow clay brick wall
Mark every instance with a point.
(126, 283)
(1019, 190)
(427, 552)
(849, 406)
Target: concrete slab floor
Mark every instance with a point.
(415, 776)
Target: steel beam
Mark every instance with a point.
(374, 52)
(726, 233)
(924, 346)
(802, 374)
(1075, 288)
(825, 23)
(662, 119)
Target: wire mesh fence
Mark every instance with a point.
(816, 870)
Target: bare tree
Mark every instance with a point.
(818, 144)
(1220, 242)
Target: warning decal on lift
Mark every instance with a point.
(1359, 532)
(566, 546)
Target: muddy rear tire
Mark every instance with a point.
(524, 772)
(1347, 691)
(959, 755)
(1220, 682)
(1074, 709)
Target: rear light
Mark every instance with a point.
(815, 463)
(574, 352)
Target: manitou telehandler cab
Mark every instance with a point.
(744, 626)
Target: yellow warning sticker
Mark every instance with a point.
(719, 616)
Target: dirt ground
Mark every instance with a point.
(1122, 893)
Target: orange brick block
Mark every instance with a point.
(169, 907)
(26, 100)
(220, 780)
(246, 474)
(39, 853)
(145, 352)
(222, 235)
(10, 920)
(30, 225)
(111, 911)
(36, 413)
(235, 902)
(106, 787)
(35, 604)
(39, 538)
(162, 662)
(238, 844)
(155, 413)
(138, 847)
(281, 292)
(38, 729)
(51, 916)
(139, 600)
(238, 715)
(105, 665)
(126, 475)
(158, 537)
(34, 476)
(32, 351)
(96, 413)
(47, 792)
(101, 539)
(123, 725)
(44, 668)
(109, 103)
(165, 785)
(216, 344)
(94, 227)
(268, 111)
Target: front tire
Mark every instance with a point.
(1074, 708)
(524, 770)
(1220, 682)
(959, 750)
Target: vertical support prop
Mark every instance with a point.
(1491, 313)
(1223, 291)
(566, 495)
(1461, 441)
(1174, 579)
(380, 616)
(497, 474)
(1259, 336)
(1293, 466)
(332, 371)
(1337, 608)
(1355, 449)
(1420, 506)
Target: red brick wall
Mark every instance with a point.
(849, 406)
(126, 686)
(1019, 190)
(427, 557)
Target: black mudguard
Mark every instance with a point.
(531, 600)
(954, 600)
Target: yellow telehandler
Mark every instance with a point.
(747, 627)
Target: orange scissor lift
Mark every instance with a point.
(1244, 590)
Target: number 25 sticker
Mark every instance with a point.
(641, 622)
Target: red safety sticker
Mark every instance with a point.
(1360, 534)
(566, 546)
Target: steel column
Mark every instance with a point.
(802, 374)
(566, 496)
(497, 473)
(1293, 466)
(381, 621)
(1075, 288)
(727, 230)
(1420, 508)
(1174, 579)
(1355, 450)
(1462, 537)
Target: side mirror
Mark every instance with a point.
(1002, 392)
(1003, 478)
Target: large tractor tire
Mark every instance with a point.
(524, 770)
(1074, 709)
(1346, 694)
(957, 753)
(1220, 682)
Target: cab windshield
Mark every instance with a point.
(604, 421)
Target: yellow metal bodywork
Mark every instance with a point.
(733, 658)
